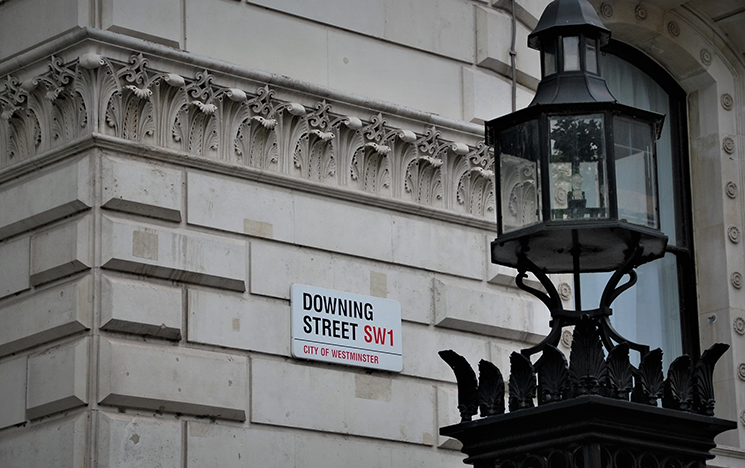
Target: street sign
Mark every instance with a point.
(345, 328)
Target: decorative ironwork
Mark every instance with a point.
(649, 383)
(490, 390)
(522, 382)
(467, 384)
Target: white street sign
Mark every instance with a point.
(345, 328)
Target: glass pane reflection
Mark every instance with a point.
(520, 183)
(577, 163)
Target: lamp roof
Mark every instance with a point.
(575, 15)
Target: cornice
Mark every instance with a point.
(252, 130)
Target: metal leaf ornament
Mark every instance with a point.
(703, 379)
(587, 362)
(553, 376)
(678, 393)
(619, 373)
(649, 381)
(491, 389)
(522, 382)
(467, 385)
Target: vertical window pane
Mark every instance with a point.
(577, 165)
(591, 58)
(549, 58)
(571, 53)
(635, 172)
(520, 180)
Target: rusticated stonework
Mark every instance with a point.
(197, 116)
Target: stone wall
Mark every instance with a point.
(169, 169)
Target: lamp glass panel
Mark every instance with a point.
(571, 53)
(519, 173)
(591, 56)
(549, 58)
(635, 172)
(577, 164)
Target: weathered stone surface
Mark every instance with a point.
(138, 18)
(239, 322)
(383, 407)
(142, 189)
(220, 203)
(45, 316)
(277, 266)
(141, 308)
(503, 315)
(14, 266)
(447, 414)
(61, 251)
(138, 441)
(172, 379)
(237, 447)
(58, 193)
(421, 344)
(67, 367)
(173, 254)
(13, 391)
(57, 444)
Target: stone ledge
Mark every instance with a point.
(46, 316)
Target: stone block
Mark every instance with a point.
(419, 457)
(502, 315)
(487, 97)
(493, 40)
(173, 254)
(54, 195)
(447, 248)
(338, 452)
(239, 322)
(363, 16)
(61, 251)
(142, 189)
(141, 308)
(15, 266)
(220, 203)
(172, 379)
(356, 63)
(138, 441)
(157, 21)
(275, 267)
(421, 344)
(13, 391)
(344, 227)
(379, 406)
(45, 316)
(306, 60)
(447, 415)
(436, 27)
(57, 443)
(57, 379)
(23, 27)
(237, 447)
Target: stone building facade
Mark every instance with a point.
(168, 169)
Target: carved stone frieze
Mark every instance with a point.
(727, 101)
(673, 28)
(731, 189)
(250, 127)
(734, 234)
(728, 145)
(736, 279)
(739, 325)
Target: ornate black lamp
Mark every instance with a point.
(577, 192)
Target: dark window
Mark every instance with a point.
(661, 310)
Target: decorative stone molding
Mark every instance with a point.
(199, 117)
(566, 338)
(673, 28)
(728, 145)
(736, 279)
(565, 291)
(606, 9)
(641, 12)
(742, 417)
(731, 189)
(739, 325)
(734, 234)
(705, 57)
(727, 101)
(741, 371)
